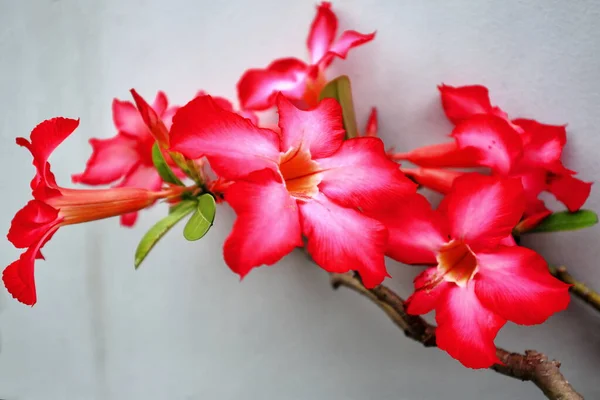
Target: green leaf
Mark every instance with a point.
(341, 90)
(201, 221)
(165, 172)
(160, 228)
(566, 221)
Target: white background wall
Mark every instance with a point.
(183, 327)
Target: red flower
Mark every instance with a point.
(482, 279)
(258, 88)
(125, 160)
(485, 136)
(53, 206)
(305, 181)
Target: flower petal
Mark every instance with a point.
(429, 290)
(348, 40)
(463, 102)
(342, 239)
(497, 143)
(257, 88)
(415, 231)
(360, 175)
(152, 119)
(371, 129)
(267, 226)
(543, 145)
(143, 177)
(441, 155)
(514, 282)
(319, 130)
(322, 32)
(111, 160)
(31, 223)
(233, 146)
(466, 329)
(127, 119)
(570, 191)
(436, 179)
(482, 210)
(160, 103)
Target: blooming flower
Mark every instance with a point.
(481, 278)
(485, 136)
(125, 160)
(304, 181)
(53, 206)
(258, 88)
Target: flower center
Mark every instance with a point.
(300, 173)
(457, 262)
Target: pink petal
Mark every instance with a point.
(167, 116)
(498, 145)
(111, 159)
(152, 119)
(372, 126)
(143, 177)
(160, 103)
(322, 32)
(466, 329)
(129, 220)
(441, 155)
(257, 88)
(31, 223)
(514, 282)
(572, 192)
(348, 40)
(543, 145)
(360, 175)
(429, 290)
(128, 120)
(233, 146)
(463, 102)
(416, 232)
(482, 210)
(342, 239)
(319, 130)
(267, 226)
(436, 179)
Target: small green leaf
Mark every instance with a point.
(202, 219)
(341, 90)
(160, 228)
(165, 172)
(566, 221)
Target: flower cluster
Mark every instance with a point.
(309, 182)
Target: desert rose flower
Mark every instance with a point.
(297, 80)
(304, 181)
(54, 206)
(480, 279)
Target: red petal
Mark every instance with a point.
(463, 102)
(143, 177)
(531, 221)
(482, 209)
(128, 120)
(257, 88)
(233, 146)
(152, 119)
(322, 32)
(360, 175)
(267, 226)
(129, 220)
(572, 192)
(429, 290)
(439, 180)
(160, 103)
(466, 329)
(46, 137)
(31, 223)
(416, 232)
(342, 239)
(543, 145)
(111, 159)
(441, 155)
(372, 126)
(514, 282)
(319, 130)
(498, 145)
(348, 40)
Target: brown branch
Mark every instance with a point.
(579, 289)
(531, 366)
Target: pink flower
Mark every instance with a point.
(481, 278)
(258, 88)
(485, 136)
(125, 160)
(305, 181)
(53, 206)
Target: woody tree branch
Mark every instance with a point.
(531, 366)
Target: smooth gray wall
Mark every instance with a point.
(183, 327)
